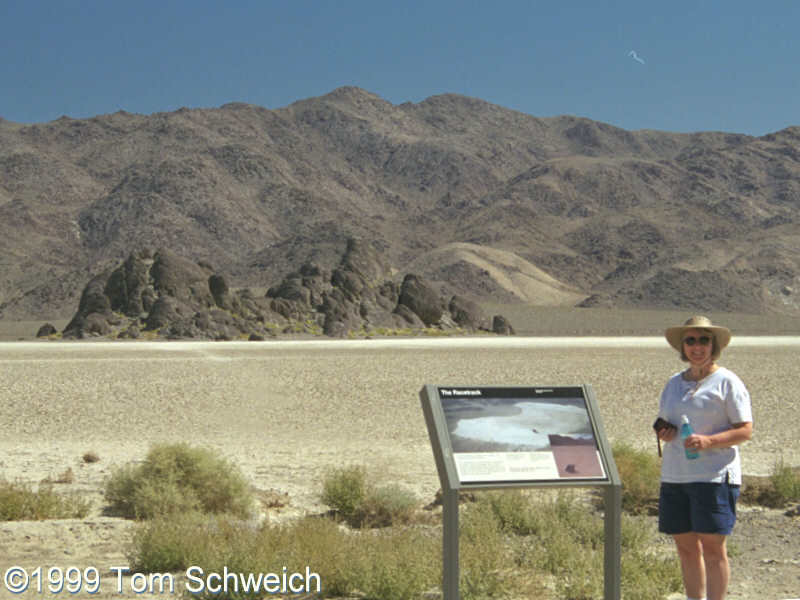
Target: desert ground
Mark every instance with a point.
(287, 411)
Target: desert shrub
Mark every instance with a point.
(173, 542)
(515, 512)
(482, 553)
(383, 507)
(389, 564)
(648, 576)
(563, 536)
(91, 457)
(757, 490)
(781, 487)
(19, 501)
(395, 564)
(176, 542)
(512, 537)
(786, 482)
(640, 474)
(359, 504)
(574, 535)
(319, 543)
(345, 489)
(66, 476)
(178, 479)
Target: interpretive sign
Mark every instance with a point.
(500, 436)
(520, 436)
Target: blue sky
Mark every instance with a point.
(707, 65)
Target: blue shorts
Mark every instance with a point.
(697, 507)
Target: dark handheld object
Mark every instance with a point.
(659, 426)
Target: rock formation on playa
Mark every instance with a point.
(161, 294)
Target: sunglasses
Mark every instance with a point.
(703, 340)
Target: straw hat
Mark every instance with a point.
(675, 335)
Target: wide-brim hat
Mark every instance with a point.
(675, 335)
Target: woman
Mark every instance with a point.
(697, 505)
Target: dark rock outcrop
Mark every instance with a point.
(409, 317)
(177, 276)
(220, 291)
(128, 289)
(46, 330)
(501, 326)
(94, 311)
(175, 298)
(421, 298)
(467, 314)
(168, 310)
(362, 258)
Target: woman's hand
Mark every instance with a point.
(738, 433)
(667, 434)
(697, 442)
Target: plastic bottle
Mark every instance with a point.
(686, 431)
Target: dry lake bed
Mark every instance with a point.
(285, 412)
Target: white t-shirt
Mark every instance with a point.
(712, 405)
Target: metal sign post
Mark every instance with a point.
(520, 437)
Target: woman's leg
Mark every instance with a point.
(718, 570)
(690, 553)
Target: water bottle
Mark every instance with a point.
(686, 431)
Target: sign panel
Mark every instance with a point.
(520, 434)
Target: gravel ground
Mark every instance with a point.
(286, 412)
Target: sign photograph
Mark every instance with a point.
(520, 434)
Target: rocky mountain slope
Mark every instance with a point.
(486, 202)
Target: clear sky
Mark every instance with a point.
(671, 65)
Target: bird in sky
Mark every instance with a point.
(635, 57)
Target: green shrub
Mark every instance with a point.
(482, 552)
(647, 573)
(344, 490)
(562, 536)
(388, 564)
(172, 542)
(515, 512)
(395, 564)
(316, 542)
(178, 479)
(786, 482)
(383, 507)
(640, 474)
(781, 487)
(360, 505)
(19, 501)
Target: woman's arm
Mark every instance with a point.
(738, 433)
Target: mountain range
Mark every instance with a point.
(488, 203)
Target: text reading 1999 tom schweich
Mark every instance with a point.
(73, 580)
